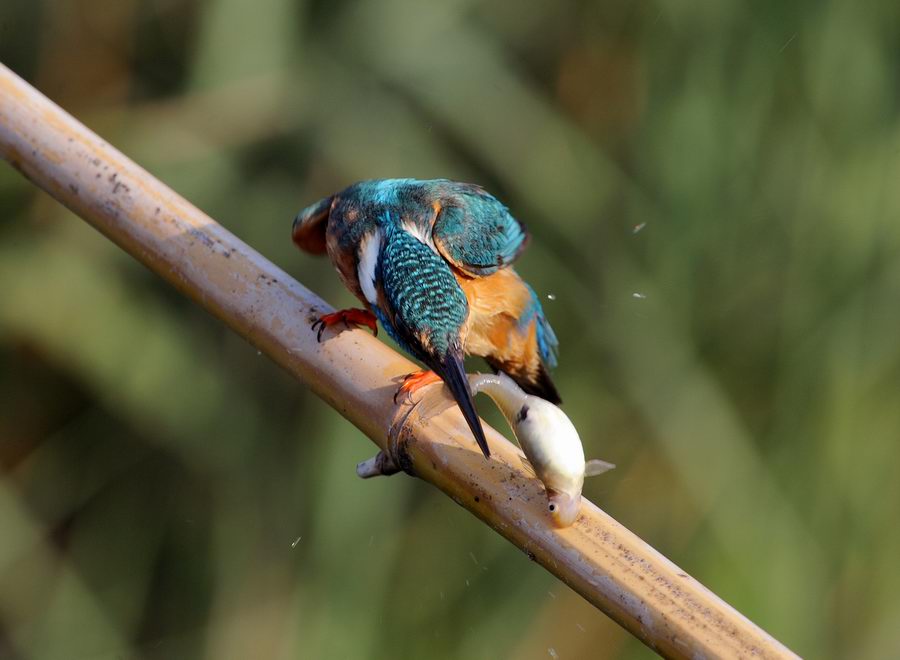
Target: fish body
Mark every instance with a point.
(549, 440)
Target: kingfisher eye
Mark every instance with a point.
(552, 508)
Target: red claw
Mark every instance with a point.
(416, 381)
(354, 316)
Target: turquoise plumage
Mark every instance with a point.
(431, 261)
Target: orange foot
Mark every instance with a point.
(347, 317)
(415, 381)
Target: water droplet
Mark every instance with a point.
(551, 296)
(553, 653)
(639, 296)
(552, 595)
(580, 627)
(296, 541)
(442, 594)
(473, 558)
(637, 228)
(467, 582)
(259, 352)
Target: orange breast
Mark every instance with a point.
(492, 331)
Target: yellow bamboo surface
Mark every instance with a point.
(357, 375)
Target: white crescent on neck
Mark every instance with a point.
(367, 253)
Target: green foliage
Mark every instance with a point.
(712, 193)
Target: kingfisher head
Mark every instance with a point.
(354, 212)
(308, 231)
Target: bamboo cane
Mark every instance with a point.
(357, 375)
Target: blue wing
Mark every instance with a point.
(424, 306)
(475, 232)
(548, 345)
(424, 310)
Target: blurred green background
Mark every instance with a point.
(712, 189)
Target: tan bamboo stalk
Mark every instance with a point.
(357, 375)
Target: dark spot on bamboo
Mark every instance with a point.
(402, 458)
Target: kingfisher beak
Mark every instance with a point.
(451, 369)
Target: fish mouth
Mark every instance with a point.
(563, 508)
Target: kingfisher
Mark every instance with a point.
(431, 261)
